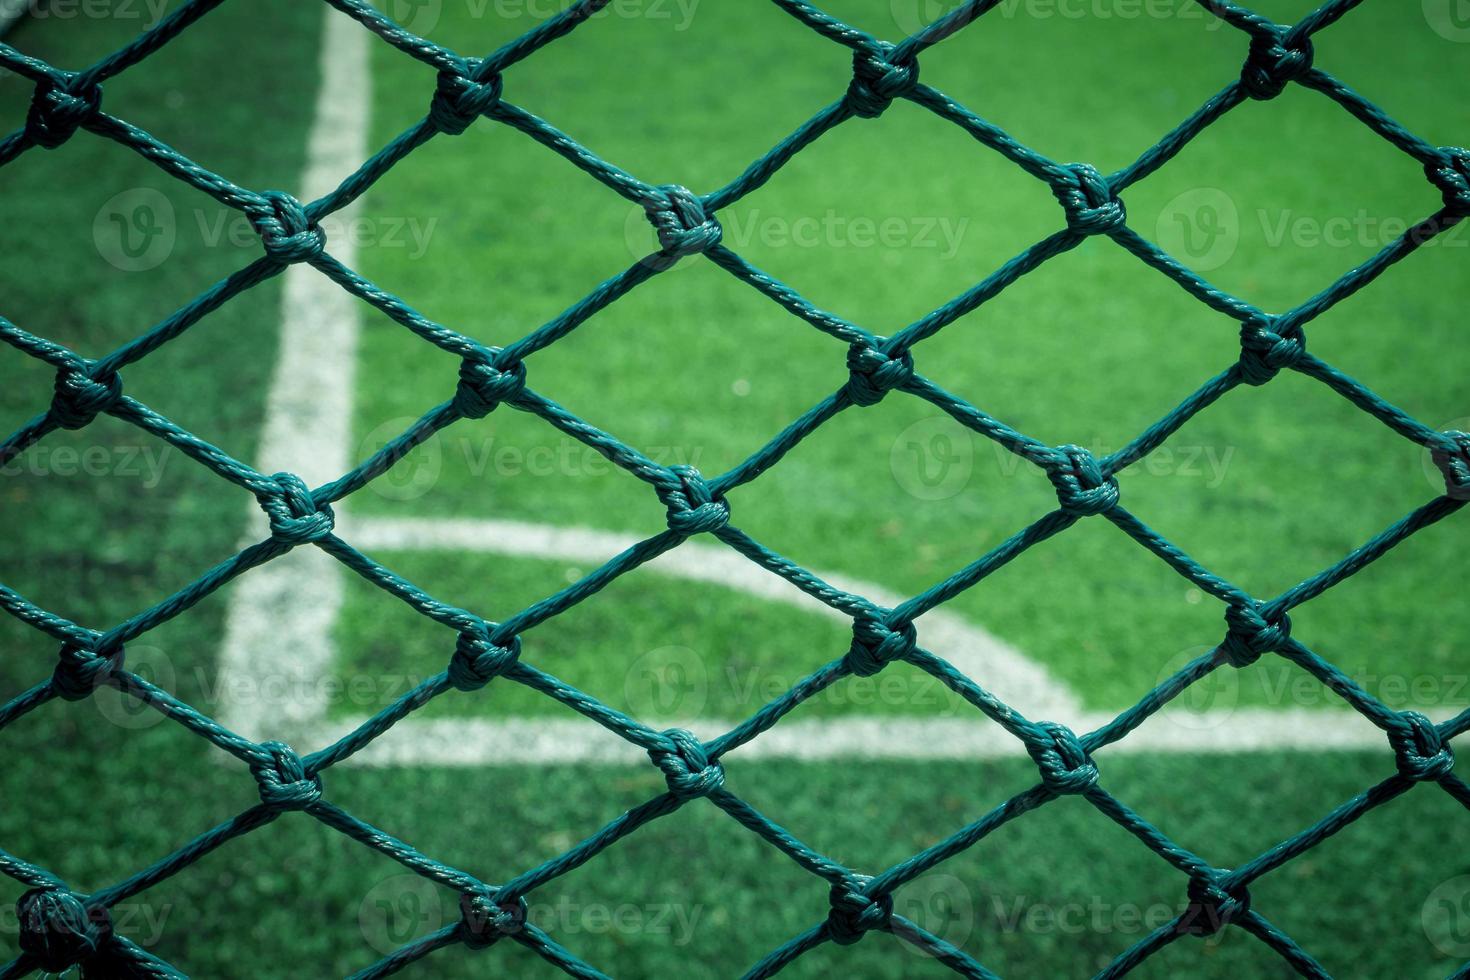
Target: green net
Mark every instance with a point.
(62, 928)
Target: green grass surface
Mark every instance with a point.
(1265, 488)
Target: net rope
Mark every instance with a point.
(62, 928)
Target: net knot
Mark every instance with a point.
(873, 374)
(1421, 753)
(692, 505)
(82, 668)
(1452, 456)
(683, 226)
(1212, 905)
(82, 393)
(1088, 201)
(295, 517)
(1065, 766)
(460, 98)
(1082, 489)
(282, 779)
(485, 918)
(877, 79)
(59, 108)
(479, 658)
(1251, 634)
(484, 384)
(1451, 175)
(58, 930)
(686, 766)
(1264, 352)
(288, 234)
(1271, 64)
(854, 912)
(875, 645)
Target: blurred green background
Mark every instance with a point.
(496, 235)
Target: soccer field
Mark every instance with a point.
(880, 221)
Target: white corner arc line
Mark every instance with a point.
(280, 617)
(998, 666)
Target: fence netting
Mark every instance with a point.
(62, 928)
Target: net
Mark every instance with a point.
(62, 928)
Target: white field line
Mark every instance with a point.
(536, 741)
(281, 616)
(1001, 668)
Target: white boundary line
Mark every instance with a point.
(281, 616)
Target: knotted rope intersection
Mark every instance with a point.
(61, 928)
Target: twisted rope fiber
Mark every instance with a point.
(62, 928)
